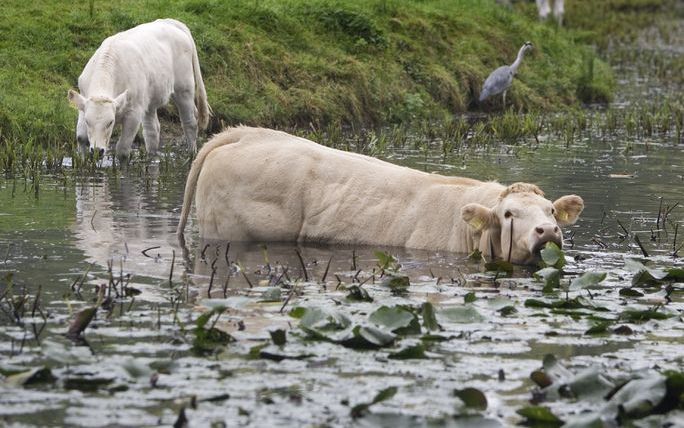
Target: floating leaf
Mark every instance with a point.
(30, 377)
(358, 294)
(623, 330)
(551, 278)
(413, 351)
(368, 337)
(507, 310)
(472, 398)
(385, 394)
(271, 294)
(461, 314)
(278, 336)
(429, 317)
(638, 397)
(539, 416)
(320, 319)
(599, 328)
(675, 274)
(500, 266)
(397, 283)
(396, 319)
(587, 280)
(86, 384)
(552, 256)
(637, 316)
(298, 312)
(630, 292)
(386, 261)
(81, 322)
(209, 339)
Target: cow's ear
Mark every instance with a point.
(76, 99)
(568, 209)
(477, 216)
(121, 100)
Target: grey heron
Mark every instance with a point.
(501, 79)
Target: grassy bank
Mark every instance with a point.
(296, 62)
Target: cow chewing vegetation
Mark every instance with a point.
(255, 184)
(130, 76)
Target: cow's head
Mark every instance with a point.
(523, 221)
(96, 118)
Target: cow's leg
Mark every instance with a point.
(129, 128)
(185, 102)
(558, 10)
(543, 8)
(82, 134)
(151, 132)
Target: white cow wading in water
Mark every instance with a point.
(130, 76)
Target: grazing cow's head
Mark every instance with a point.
(523, 221)
(96, 118)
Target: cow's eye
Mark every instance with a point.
(110, 123)
(508, 214)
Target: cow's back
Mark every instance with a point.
(147, 60)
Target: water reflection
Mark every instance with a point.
(129, 220)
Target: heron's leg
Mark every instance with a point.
(504, 100)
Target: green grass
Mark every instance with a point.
(296, 62)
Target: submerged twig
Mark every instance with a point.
(173, 262)
(638, 241)
(301, 261)
(327, 267)
(144, 252)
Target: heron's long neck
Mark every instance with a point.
(518, 60)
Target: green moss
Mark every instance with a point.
(272, 62)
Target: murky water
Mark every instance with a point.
(140, 365)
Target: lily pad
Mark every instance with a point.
(30, 377)
(472, 398)
(429, 317)
(398, 283)
(396, 319)
(385, 394)
(587, 280)
(412, 351)
(461, 314)
(539, 416)
(552, 256)
(551, 278)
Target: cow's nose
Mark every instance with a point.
(546, 229)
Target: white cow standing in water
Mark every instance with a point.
(130, 76)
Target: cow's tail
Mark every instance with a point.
(203, 109)
(228, 136)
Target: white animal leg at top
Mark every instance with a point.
(187, 110)
(544, 8)
(129, 128)
(559, 10)
(151, 132)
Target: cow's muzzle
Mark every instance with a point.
(543, 234)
